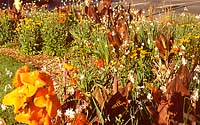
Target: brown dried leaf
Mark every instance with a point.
(115, 106)
(151, 109)
(160, 47)
(114, 39)
(180, 83)
(163, 115)
(156, 93)
(100, 96)
(115, 84)
(91, 12)
(164, 41)
(122, 30)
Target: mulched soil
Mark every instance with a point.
(41, 62)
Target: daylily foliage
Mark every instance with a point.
(34, 99)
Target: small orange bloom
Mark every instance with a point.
(72, 81)
(81, 119)
(100, 63)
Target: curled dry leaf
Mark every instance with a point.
(160, 47)
(100, 96)
(180, 84)
(115, 84)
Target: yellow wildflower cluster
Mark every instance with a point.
(28, 24)
(34, 99)
(139, 52)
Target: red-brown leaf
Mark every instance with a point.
(115, 84)
(114, 39)
(100, 95)
(163, 41)
(160, 47)
(180, 83)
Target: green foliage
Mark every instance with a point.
(54, 33)
(6, 29)
(29, 35)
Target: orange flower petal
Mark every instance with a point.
(36, 113)
(40, 83)
(29, 78)
(29, 90)
(72, 81)
(100, 63)
(10, 98)
(23, 117)
(19, 104)
(33, 122)
(52, 106)
(16, 81)
(40, 100)
(45, 77)
(15, 98)
(47, 120)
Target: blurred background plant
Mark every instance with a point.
(29, 35)
(55, 33)
(7, 34)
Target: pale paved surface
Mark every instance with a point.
(193, 6)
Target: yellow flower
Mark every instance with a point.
(197, 36)
(138, 52)
(68, 66)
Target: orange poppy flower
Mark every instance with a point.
(29, 77)
(36, 113)
(72, 81)
(53, 105)
(40, 99)
(28, 90)
(45, 77)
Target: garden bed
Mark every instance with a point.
(97, 65)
